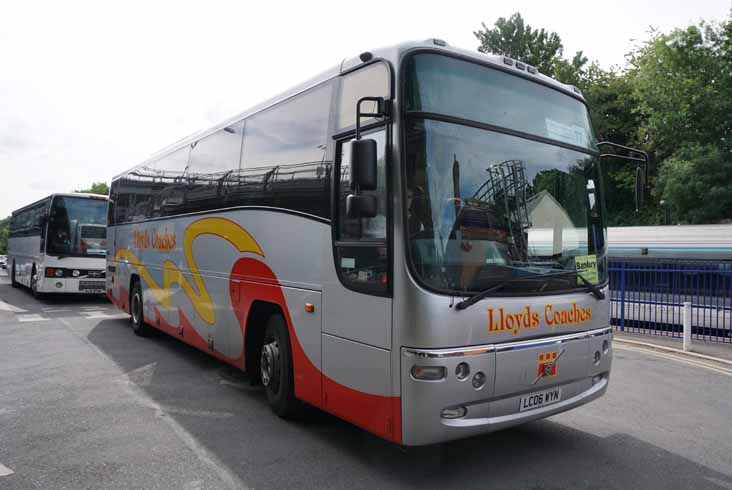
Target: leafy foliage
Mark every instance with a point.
(97, 188)
(673, 99)
(4, 226)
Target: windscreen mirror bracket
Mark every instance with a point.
(364, 163)
(641, 171)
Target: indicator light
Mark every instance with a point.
(429, 373)
(309, 307)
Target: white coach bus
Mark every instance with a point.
(58, 244)
(362, 244)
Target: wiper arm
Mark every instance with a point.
(592, 287)
(483, 294)
(596, 292)
(478, 296)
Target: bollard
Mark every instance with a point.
(687, 325)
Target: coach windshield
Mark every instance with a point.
(503, 183)
(77, 227)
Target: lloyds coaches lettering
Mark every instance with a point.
(501, 321)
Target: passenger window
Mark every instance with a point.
(167, 183)
(213, 161)
(373, 80)
(283, 160)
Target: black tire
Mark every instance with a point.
(13, 282)
(137, 317)
(276, 368)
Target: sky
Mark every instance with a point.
(89, 89)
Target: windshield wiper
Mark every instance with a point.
(596, 292)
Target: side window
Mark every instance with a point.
(167, 185)
(373, 229)
(213, 161)
(361, 243)
(283, 159)
(373, 81)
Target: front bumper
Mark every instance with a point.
(80, 285)
(510, 371)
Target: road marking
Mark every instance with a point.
(5, 471)
(32, 317)
(11, 308)
(230, 479)
(142, 376)
(690, 362)
(102, 316)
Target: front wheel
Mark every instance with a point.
(137, 316)
(34, 285)
(13, 282)
(276, 368)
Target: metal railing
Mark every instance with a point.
(648, 296)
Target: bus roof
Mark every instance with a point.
(392, 54)
(62, 194)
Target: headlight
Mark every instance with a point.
(76, 273)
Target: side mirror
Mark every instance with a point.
(363, 165)
(640, 186)
(360, 206)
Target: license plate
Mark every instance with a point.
(540, 399)
(91, 286)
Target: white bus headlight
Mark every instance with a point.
(76, 273)
(59, 273)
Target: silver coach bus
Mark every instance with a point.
(59, 244)
(413, 241)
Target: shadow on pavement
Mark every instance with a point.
(217, 405)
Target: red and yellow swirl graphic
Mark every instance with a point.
(172, 275)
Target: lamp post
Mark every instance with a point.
(664, 207)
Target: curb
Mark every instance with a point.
(648, 345)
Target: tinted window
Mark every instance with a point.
(293, 132)
(283, 162)
(372, 81)
(212, 162)
(467, 90)
(77, 226)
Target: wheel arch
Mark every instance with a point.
(259, 312)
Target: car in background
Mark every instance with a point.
(3, 261)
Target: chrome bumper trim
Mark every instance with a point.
(505, 346)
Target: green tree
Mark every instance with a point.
(514, 38)
(97, 188)
(4, 227)
(697, 183)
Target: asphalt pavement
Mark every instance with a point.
(86, 404)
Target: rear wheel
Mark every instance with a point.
(13, 282)
(136, 312)
(276, 368)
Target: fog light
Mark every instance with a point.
(429, 373)
(605, 346)
(462, 371)
(59, 285)
(453, 412)
(478, 380)
(59, 273)
(596, 379)
(76, 273)
(596, 360)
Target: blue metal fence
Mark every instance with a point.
(648, 297)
